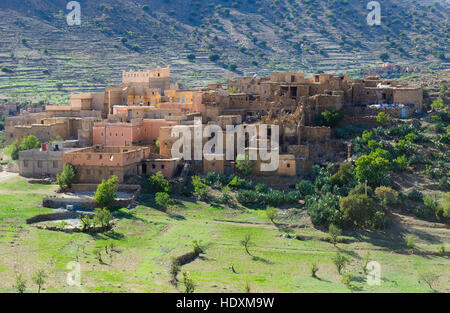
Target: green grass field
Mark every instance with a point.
(145, 240)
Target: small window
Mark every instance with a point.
(55, 164)
(153, 166)
(39, 164)
(100, 157)
(25, 163)
(288, 165)
(162, 166)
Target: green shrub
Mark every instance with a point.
(248, 197)
(415, 195)
(358, 211)
(340, 261)
(200, 188)
(400, 163)
(158, 183)
(274, 197)
(243, 165)
(334, 233)
(360, 189)
(240, 183)
(106, 192)
(313, 269)
(66, 178)
(372, 168)
(344, 175)
(410, 243)
(330, 118)
(347, 280)
(163, 200)
(383, 118)
(305, 187)
(323, 210)
(272, 214)
(386, 195)
(261, 188)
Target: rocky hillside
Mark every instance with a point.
(42, 57)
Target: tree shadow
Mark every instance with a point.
(261, 259)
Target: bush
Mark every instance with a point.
(214, 57)
(66, 178)
(340, 261)
(191, 57)
(410, 243)
(293, 197)
(334, 233)
(272, 214)
(344, 175)
(323, 210)
(274, 197)
(330, 118)
(102, 217)
(358, 211)
(415, 195)
(372, 168)
(360, 189)
(106, 192)
(200, 188)
(243, 165)
(400, 163)
(383, 118)
(248, 197)
(163, 200)
(305, 187)
(261, 188)
(158, 183)
(313, 269)
(386, 195)
(240, 183)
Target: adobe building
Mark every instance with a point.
(46, 161)
(120, 134)
(97, 163)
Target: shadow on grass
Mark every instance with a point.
(260, 259)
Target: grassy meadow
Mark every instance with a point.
(144, 241)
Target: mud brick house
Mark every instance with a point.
(97, 163)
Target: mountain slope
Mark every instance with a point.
(38, 49)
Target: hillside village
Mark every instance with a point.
(126, 130)
(362, 176)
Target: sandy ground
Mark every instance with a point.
(7, 175)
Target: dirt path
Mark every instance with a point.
(7, 175)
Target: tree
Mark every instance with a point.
(30, 142)
(106, 192)
(246, 243)
(313, 269)
(86, 223)
(305, 187)
(14, 149)
(102, 217)
(21, 284)
(39, 279)
(344, 175)
(158, 183)
(189, 285)
(272, 213)
(340, 261)
(358, 211)
(191, 57)
(430, 278)
(214, 57)
(244, 165)
(383, 118)
(372, 168)
(330, 118)
(66, 178)
(334, 233)
(323, 210)
(384, 57)
(163, 200)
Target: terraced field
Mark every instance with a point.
(38, 49)
(145, 240)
